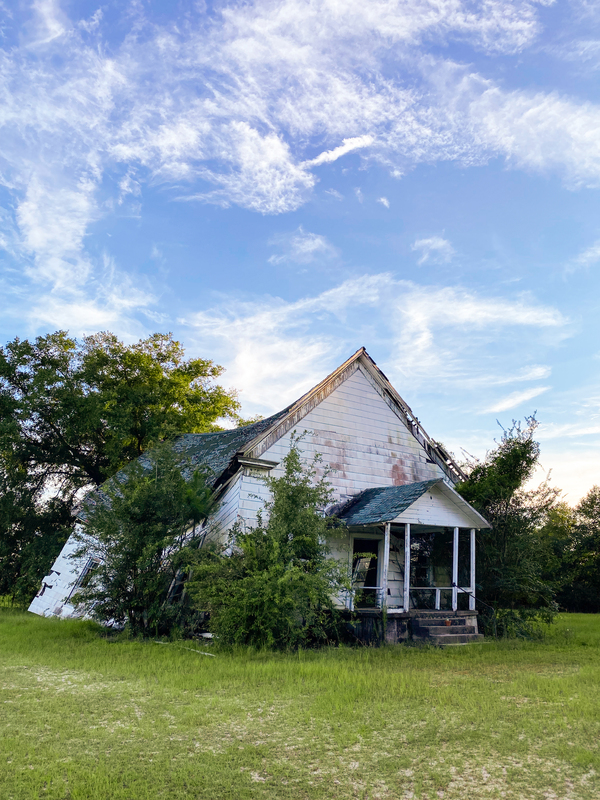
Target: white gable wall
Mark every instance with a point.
(360, 438)
(436, 508)
(228, 508)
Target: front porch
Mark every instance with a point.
(405, 566)
(411, 548)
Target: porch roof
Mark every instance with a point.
(383, 503)
(387, 503)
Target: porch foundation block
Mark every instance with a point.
(373, 627)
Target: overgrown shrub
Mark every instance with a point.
(272, 586)
(139, 529)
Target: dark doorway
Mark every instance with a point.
(364, 572)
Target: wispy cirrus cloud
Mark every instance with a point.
(228, 106)
(301, 247)
(435, 249)
(347, 146)
(515, 399)
(586, 259)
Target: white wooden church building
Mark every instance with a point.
(409, 537)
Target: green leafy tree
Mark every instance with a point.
(29, 538)
(511, 557)
(559, 535)
(72, 413)
(273, 586)
(580, 569)
(137, 529)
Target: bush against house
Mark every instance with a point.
(274, 584)
(138, 531)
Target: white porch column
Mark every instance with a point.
(455, 570)
(472, 578)
(386, 563)
(407, 566)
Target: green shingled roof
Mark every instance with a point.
(383, 503)
(212, 450)
(216, 450)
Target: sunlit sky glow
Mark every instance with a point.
(280, 183)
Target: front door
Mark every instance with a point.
(365, 573)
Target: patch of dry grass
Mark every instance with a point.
(83, 717)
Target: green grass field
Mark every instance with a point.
(84, 717)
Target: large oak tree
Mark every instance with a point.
(72, 413)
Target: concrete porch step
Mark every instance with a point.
(450, 639)
(431, 627)
(442, 630)
(440, 620)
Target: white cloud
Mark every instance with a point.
(486, 380)
(228, 105)
(384, 201)
(583, 52)
(50, 22)
(515, 399)
(239, 124)
(586, 259)
(301, 247)
(541, 131)
(448, 336)
(359, 194)
(434, 249)
(347, 146)
(110, 301)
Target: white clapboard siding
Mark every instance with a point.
(436, 508)
(227, 511)
(253, 495)
(362, 440)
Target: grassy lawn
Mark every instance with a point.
(83, 717)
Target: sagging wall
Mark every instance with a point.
(52, 598)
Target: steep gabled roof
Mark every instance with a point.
(219, 450)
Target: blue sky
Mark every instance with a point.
(280, 183)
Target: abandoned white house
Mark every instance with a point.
(410, 537)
